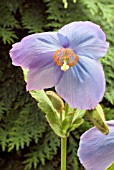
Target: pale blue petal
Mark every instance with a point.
(86, 39)
(96, 150)
(41, 61)
(83, 85)
(34, 46)
(42, 77)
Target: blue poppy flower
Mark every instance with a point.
(68, 60)
(96, 150)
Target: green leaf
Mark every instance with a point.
(71, 122)
(68, 109)
(111, 167)
(76, 124)
(78, 114)
(47, 107)
(66, 123)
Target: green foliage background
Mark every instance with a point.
(26, 140)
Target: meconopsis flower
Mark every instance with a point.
(96, 150)
(68, 60)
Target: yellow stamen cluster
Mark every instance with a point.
(65, 58)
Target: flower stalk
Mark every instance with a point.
(63, 153)
(63, 145)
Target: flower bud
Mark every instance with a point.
(56, 101)
(97, 117)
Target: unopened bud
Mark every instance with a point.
(97, 117)
(56, 101)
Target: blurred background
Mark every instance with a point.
(26, 140)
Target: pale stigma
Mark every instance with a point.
(65, 66)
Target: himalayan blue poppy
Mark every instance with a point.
(96, 150)
(66, 59)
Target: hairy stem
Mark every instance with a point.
(63, 153)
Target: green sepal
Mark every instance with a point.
(97, 117)
(111, 167)
(47, 107)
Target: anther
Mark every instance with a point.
(65, 58)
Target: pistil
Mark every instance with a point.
(65, 66)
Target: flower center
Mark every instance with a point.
(65, 58)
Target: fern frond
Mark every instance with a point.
(33, 17)
(45, 150)
(3, 138)
(7, 35)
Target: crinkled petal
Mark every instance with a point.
(47, 76)
(34, 46)
(86, 39)
(83, 85)
(96, 150)
(64, 40)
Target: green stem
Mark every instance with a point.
(63, 153)
(66, 109)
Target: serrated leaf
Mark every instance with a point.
(47, 107)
